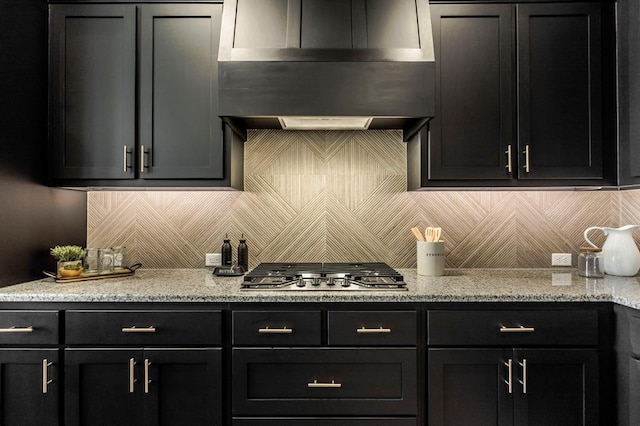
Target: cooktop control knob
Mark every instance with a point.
(330, 281)
(300, 282)
(345, 283)
(316, 281)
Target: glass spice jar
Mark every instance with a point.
(590, 262)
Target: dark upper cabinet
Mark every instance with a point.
(92, 91)
(559, 91)
(519, 98)
(134, 96)
(473, 127)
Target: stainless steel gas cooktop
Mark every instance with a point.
(324, 276)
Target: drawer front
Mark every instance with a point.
(324, 421)
(634, 332)
(143, 328)
(29, 327)
(327, 381)
(512, 328)
(276, 328)
(373, 328)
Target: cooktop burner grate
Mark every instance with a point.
(324, 276)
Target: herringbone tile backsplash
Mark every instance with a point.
(341, 196)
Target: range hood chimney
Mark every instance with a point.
(326, 64)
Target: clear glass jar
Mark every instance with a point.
(119, 257)
(590, 262)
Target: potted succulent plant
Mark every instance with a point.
(69, 260)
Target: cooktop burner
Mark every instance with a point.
(324, 276)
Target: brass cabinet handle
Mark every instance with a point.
(509, 381)
(141, 158)
(134, 329)
(509, 164)
(132, 375)
(526, 158)
(124, 159)
(15, 329)
(147, 363)
(521, 329)
(524, 375)
(45, 375)
(373, 330)
(315, 384)
(283, 330)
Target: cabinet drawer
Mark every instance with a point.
(634, 332)
(28, 327)
(143, 327)
(328, 381)
(510, 328)
(376, 328)
(276, 328)
(324, 421)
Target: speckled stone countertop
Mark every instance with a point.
(458, 285)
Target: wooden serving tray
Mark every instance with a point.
(126, 272)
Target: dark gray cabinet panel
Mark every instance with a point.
(559, 91)
(26, 395)
(473, 126)
(180, 131)
(261, 24)
(92, 77)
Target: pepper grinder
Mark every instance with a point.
(226, 251)
(243, 253)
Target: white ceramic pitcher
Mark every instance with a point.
(619, 252)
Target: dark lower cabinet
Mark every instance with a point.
(29, 387)
(324, 421)
(513, 387)
(143, 387)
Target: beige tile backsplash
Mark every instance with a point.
(341, 196)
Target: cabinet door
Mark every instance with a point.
(180, 131)
(26, 395)
(559, 96)
(92, 91)
(101, 387)
(473, 126)
(182, 387)
(556, 387)
(470, 387)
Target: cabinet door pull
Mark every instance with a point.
(147, 363)
(509, 381)
(45, 375)
(526, 158)
(134, 329)
(315, 384)
(373, 330)
(141, 158)
(523, 382)
(15, 329)
(521, 329)
(132, 375)
(124, 159)
(283, 330)
(509, 164)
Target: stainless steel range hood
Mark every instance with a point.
(326, 64)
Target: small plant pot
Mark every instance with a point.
(70, 269)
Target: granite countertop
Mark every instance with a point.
(458, 285)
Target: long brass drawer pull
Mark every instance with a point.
(15, 329)
(315, 384)
(45, 375)
(134, 329)
(373, 330)
(521, 329)
(132, 375)
(509, 164)
(283, 330)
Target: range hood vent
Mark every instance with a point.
(326, 64)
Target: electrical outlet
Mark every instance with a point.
(560, 259)
(212, 259)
